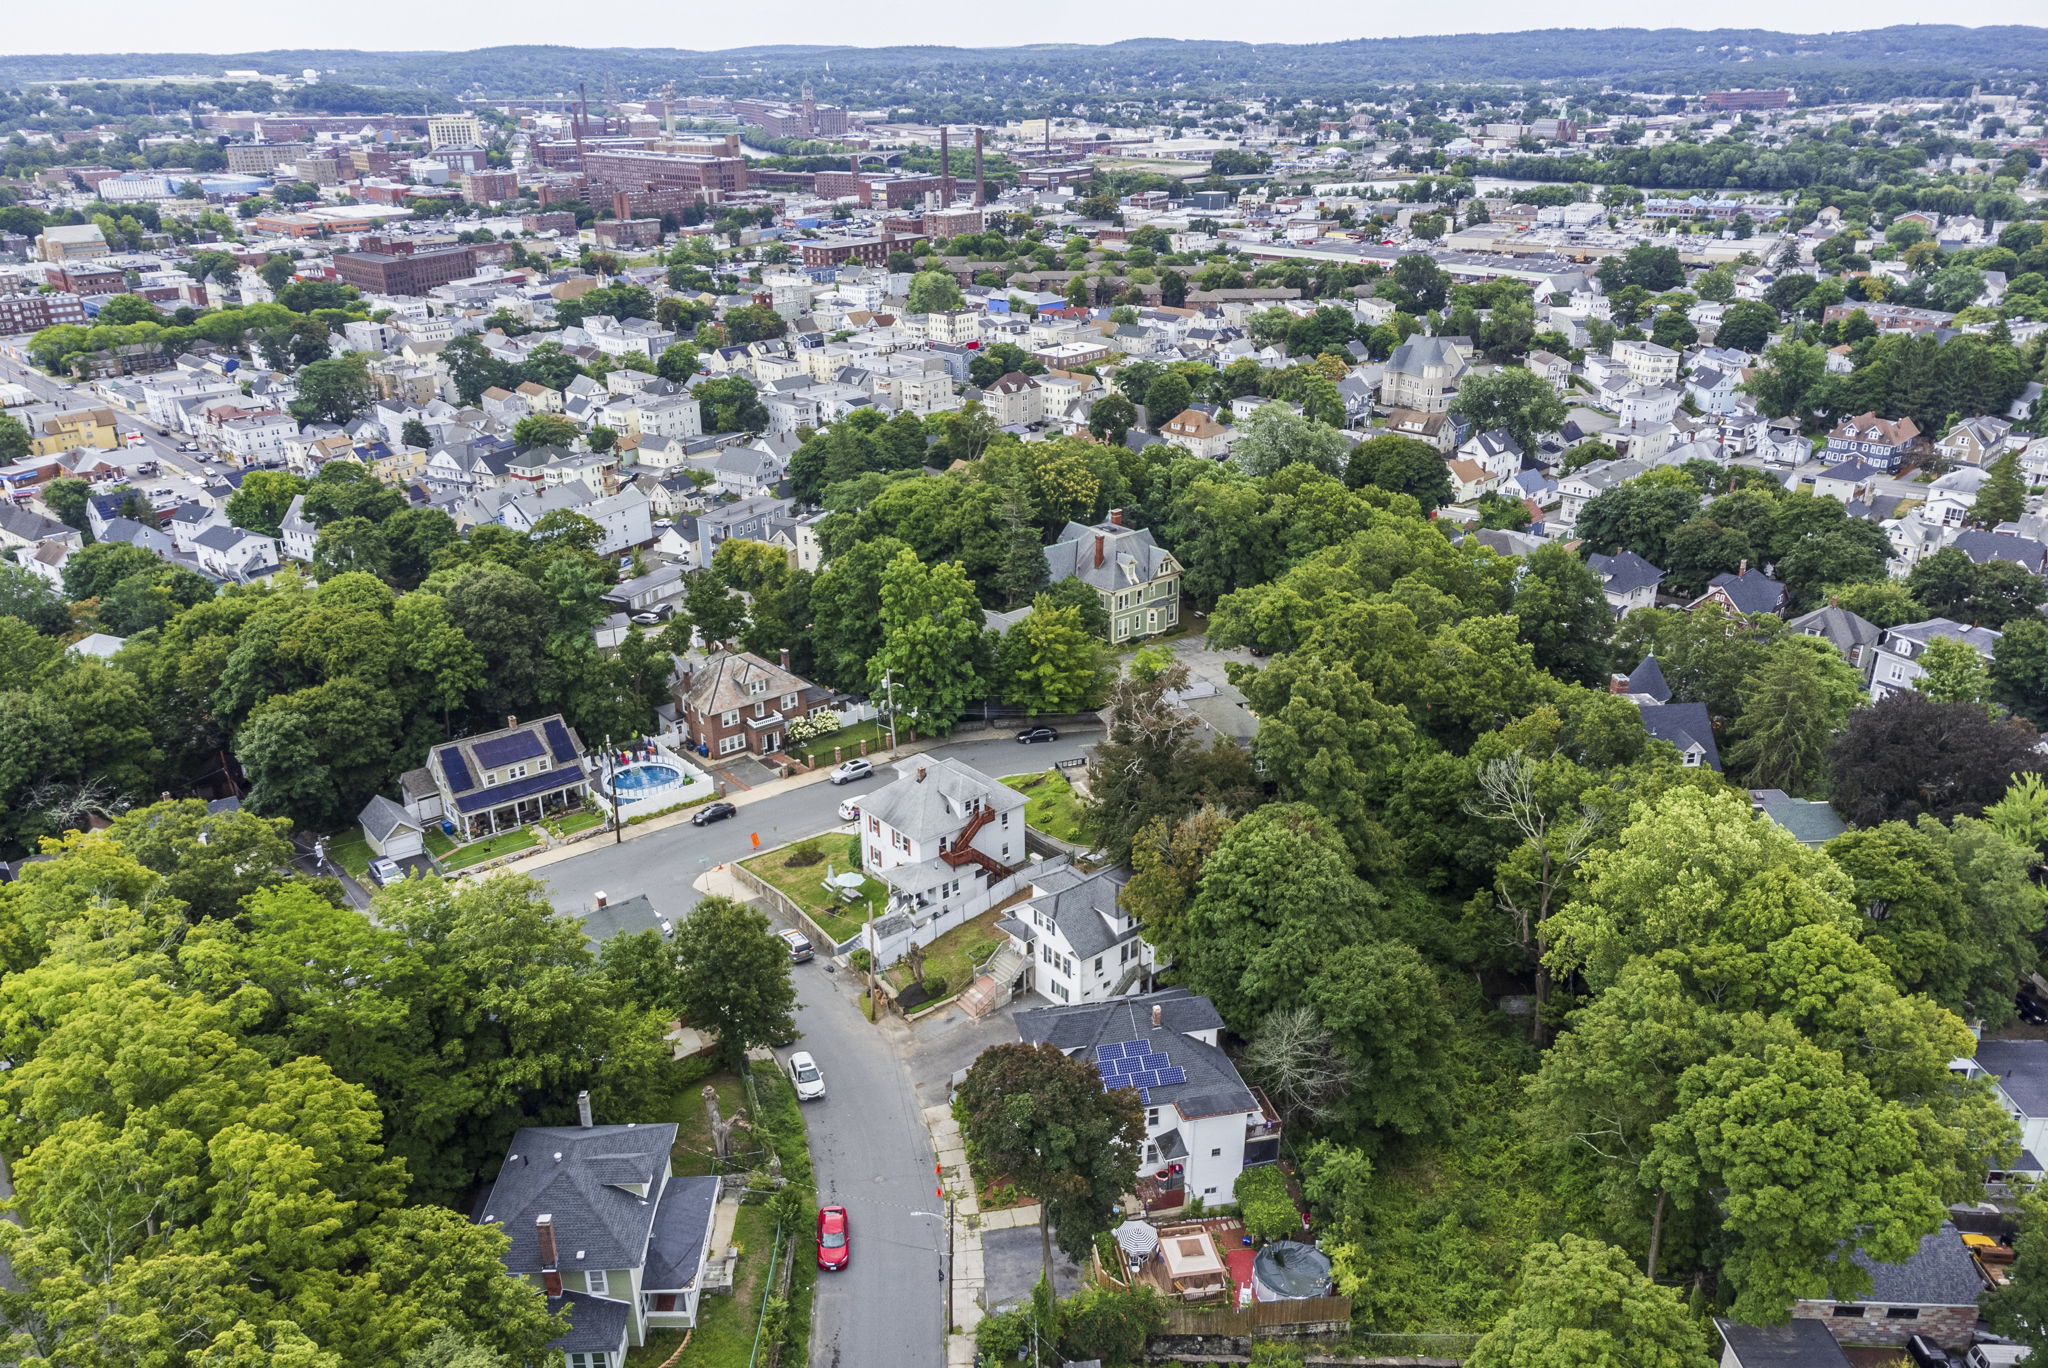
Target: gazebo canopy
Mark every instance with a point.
(1137, 1239)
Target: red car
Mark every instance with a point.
(835, 1239)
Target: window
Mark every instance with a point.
(731, 744)
(1209, 1192)
(1216, 1154)
(1098, 964)
(757, 687)
(789, 700)
(1152, 1117)
(729, 719)
(490, 777)
(1847, 1311)
(597, 1282)
(1902, 1313)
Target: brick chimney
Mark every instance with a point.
(1158, 1015)
(1116, 517)
(1098, 550)
(550, 1272)
(785, 657)
(600, 897)
(1617, 684)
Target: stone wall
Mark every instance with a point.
(1951, 1327)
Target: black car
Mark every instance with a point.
(1927, 1354)
(1032, 734)
(712, 812)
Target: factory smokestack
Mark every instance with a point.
(980, 189)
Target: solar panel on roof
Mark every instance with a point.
(1144, 1097)
(558, 739)
(1171, 1076)
(457, 770)
(1105, 1052)
(1144, 1078)
(504, 750)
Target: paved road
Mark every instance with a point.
(178, 467)
(868, 1141)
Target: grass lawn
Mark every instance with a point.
(955, 954)
(580, 821)
(438, 843)
(1050, 805)
(804, 884)
(351, 850)
(726, 1322)
(504, 843)
(848, 739)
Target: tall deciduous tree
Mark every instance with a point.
(1514, 399)
(931, 630)
(1909, 754)
(1581, 1302)
(1562, 610)
(1048, 663)
(1047, 1123)
(735, 977)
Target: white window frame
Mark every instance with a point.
(597, 1282)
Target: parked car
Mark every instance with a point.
(807, 1077)
(385, 872)
(712, 812)
(799, 946)
(1994, 1356)
(646, 619)
(849, 811)
(1926, 1353)
(835, 1239)
(850, 770)
(1031, 735)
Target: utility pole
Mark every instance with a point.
(611, 785)
(889, 688)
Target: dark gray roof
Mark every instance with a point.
(1795, 1344)
(584, 1190)
(1130, 557)
(1812, 821)
(2002, 546)
(1940, 1273)
(1683, 725)
(1417, 352)
(682, 1226)
(1751, 592)
(1213, 1087)
(1648, 680)
(622, 918)
(596, 1324)
(1078, 903)
(380, 817)
(1625, 572)
(2022, 1069)
(1838, 626)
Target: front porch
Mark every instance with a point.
(524, 812)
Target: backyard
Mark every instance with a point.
(1051, 805)
(798, 872)
(953, 956)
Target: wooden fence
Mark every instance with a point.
(1306, 1317)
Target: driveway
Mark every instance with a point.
(869, 1146)
(1011, 1262)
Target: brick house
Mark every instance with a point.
(734, 701)
(1933, 1293)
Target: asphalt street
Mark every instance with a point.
(869, 1146)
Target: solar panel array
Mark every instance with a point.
(457, 769)
(1135, 1064)
(558, 740)
(504, 750)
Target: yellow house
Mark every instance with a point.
(92, 428)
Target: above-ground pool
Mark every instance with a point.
(645, 775)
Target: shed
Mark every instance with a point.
(391, 830)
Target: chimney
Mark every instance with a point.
(785, 657)
(1617, 684)
(945, 165)
(583, 1110)
(853, 162)
(550, 1272)
(732, 144)
(920, 774)
(1116, 517)
(980, 187)
(1158, 1015)
(511, 721)
(1098, 550)
(600, 897)
(1741, 569)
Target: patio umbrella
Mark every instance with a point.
(1136, 1239)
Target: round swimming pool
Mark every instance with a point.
(633, 778)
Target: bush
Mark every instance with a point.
(935, 985)
(999, 1336)
(1109, 1323)
(1268, 1212)
(860, 959)
(804, 853)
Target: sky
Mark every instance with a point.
(260, 25)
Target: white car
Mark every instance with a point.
(849, 811)
(850, 770)
(808, 1079)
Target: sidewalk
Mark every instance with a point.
(966, 1289)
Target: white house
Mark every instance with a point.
(948, 841)
(2019, 1071)
(1900, 648)
(1077, 939)
(296, 531)
(233, 553)
(1203, 1124)
(259, 439)
(1646, 362)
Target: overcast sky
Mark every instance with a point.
(260, 25)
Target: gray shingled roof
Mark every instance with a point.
(1078, 903)
(380, 817)
(1940, 1273)
(1683, 725)
(577, 1175)
(622, 918)
(2022, 1069)
(1751, 592)
(1130, 557)
(1418, 352)
(597, 1325)
(925, 809)
(1213, 1087)
(1648, 680)
(1795, 1344)
(1625, 572)
(1838, 626)
(681, 1226)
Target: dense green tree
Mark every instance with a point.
(1046, 1121)
(1955, 672)
(934, 292)
(1111, 416)
(1562, 610)
(2002, 497)
(1051, 663)
(333, 391)
(1792, 706)
(261, 501)
(1275, 437)
(1166, 398)
(1513, 399)
(735, 977)
(1747, 325)
(1388, 1021)
(545, 429)
(1580, 1302)
(1401, 465)
(1908, 754)
(931, 629)
(2019, 669)
(14, 440)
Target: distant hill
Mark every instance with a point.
(1912, 59)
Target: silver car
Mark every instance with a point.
(808, 1079)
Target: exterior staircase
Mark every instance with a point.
(960, 850)
(995, 984)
